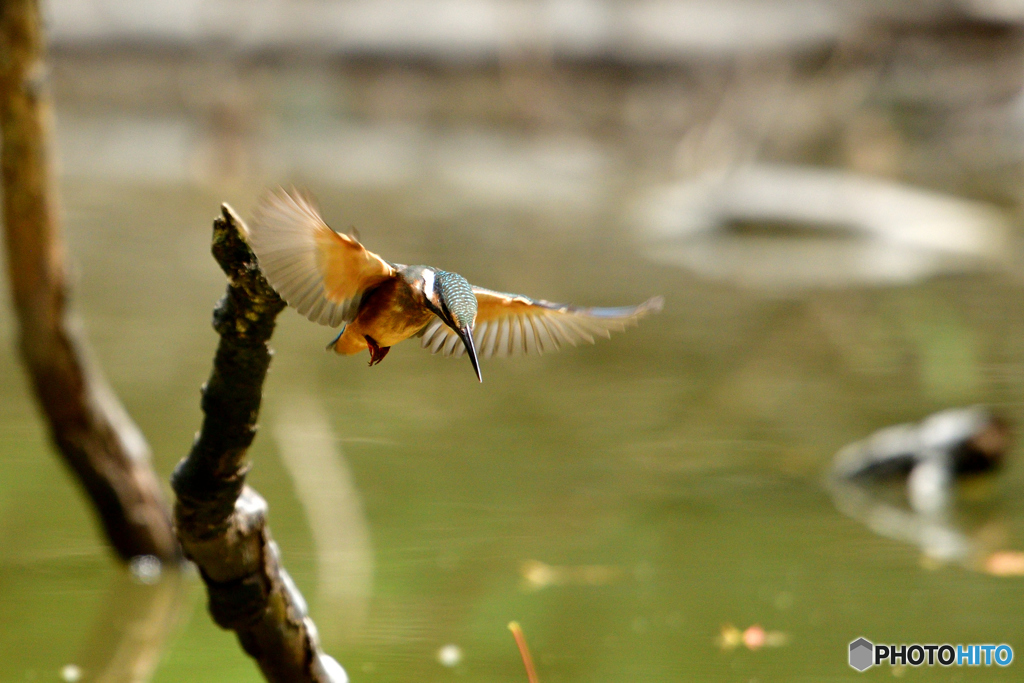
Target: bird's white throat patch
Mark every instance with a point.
(428, 283)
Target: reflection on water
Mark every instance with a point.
(663, 489)
(127, 641)
(857, 230)
(929, 460)
(324, 487)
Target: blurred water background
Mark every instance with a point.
(828, 195)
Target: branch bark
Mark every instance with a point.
(221, 522)
(91, 429)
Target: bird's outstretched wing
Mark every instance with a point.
(511, 324)
(321, 273)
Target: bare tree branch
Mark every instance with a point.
(222, 524)
(94, 434)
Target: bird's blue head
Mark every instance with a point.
(451, 299)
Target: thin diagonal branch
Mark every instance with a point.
(221, 523)
(92, 431)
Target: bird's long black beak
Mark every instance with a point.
(466, 335)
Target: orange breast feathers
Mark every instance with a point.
(389, 314)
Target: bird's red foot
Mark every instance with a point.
(377, 353)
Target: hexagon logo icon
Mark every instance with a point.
(862, 654)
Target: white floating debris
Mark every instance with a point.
(537, 575)
(71, 673)
(450, 655)
(146, 569)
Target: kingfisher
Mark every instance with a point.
(332, 279)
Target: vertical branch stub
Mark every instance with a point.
(221, 523)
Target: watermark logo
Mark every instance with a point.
(861, 654)
(864, 654)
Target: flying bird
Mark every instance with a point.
(334, 280)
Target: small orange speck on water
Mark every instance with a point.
(754, 637)
(1005, 563)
